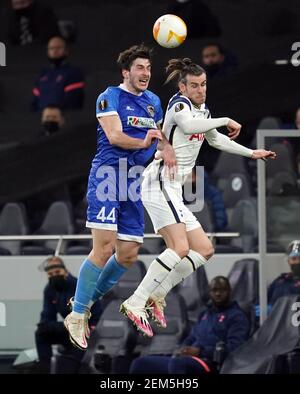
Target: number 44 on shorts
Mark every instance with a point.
(110, 217)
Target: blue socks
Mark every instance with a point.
(86, 284)
(110, 275)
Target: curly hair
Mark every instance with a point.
(127, 57)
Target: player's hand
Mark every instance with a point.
(151, 136)
(234, 129)
(263, 154)
(167, 154)
(190, 351)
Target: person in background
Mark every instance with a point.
(60, 288)
(31, 22)
(59, 83)
(222, 321)
(287, 283)
(216, 61)
(52, 119)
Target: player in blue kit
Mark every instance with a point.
(128, 137)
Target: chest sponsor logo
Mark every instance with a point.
(137, 121)
(197, 137)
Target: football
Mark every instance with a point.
(169, 31)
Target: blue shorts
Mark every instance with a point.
(114, 203)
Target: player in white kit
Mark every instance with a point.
(187, 123)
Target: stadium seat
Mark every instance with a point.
(226, 165)
(130, 281)
(194, 291)
(238, 186)
(244, 221)
(13, 221)
(284, 161)
(283, 218)
(114, 336)
(277, 185)
(276, 337)
(269, 123)
(243, 278)
(165, 340)
(57, 221)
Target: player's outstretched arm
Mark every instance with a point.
(224, 143)
(190, 125)
(112, 127)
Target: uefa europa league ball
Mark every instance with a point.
(169, 31)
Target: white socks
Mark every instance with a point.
(185, 268)
(158, 270)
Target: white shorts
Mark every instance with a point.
(164, 204)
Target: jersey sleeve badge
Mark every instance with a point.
(102, 105)
(179, 107)
(151, 110)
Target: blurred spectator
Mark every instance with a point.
(52, 119)
(57, 293)
(287, 283)
(60, 83)
(221, 325)
(31, 21)
(217, 62)
(197, 16)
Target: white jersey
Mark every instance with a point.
(186, 146)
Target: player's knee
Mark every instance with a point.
(100, 255)
(208, 251)
(127, 260)
(182, 249)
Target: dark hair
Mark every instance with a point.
(127, 57)
(220, 279)
(215, 44)
(180, 68)
(46, 267)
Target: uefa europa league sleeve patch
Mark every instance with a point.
(179, 107)
(103, 105)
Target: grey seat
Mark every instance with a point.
(283, 162)
(58, 221)
(165, 340)
(276, 185)
(238, 186)
(130, 281)
(194, 290)
(283, 218)
(269, 123)
(226, 165)
(13, 221)
(114, 336)
(243, 278)
(244, 221)
(277, 336)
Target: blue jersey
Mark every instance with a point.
(138, 114)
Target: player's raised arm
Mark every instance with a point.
(112, 127)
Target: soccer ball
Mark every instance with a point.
(169, 31)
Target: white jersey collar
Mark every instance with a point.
(123, 87)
